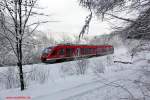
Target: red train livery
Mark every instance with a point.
(64, 52)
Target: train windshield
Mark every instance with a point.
(47, 50)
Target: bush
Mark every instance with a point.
(98, 67)
(81, 66)
(9, 78)
(38, 74)
(67, 70)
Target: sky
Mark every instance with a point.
(70, 18)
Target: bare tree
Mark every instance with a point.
(102, 7)
(16, 29)
(113, 9)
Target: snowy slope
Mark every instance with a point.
(119, 81)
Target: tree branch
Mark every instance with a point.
(125, 19)
(28, 15)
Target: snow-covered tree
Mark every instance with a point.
(16, 30)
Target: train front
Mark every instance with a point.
(46, 54)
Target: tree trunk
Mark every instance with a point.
(20, 64)
(21, 76)
(20, 47)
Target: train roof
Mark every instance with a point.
(69, 44)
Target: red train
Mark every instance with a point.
(64, 52)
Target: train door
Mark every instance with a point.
(54, 53)
(69, 52)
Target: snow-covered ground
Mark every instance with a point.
(118, 81)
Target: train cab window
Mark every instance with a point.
(47, 50)
(61, 52)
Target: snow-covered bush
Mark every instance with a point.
(9, 78)
(67, 69)
(37, 74)
(81, 66)
(98, 67)
(109, 60)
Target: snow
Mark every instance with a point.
(119, 81)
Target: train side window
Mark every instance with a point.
(92, 50)
(85, 50)
(82, 50)
(54, 52)
(88, 50)
(99, 50)
(107, 49)
(61, 52)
